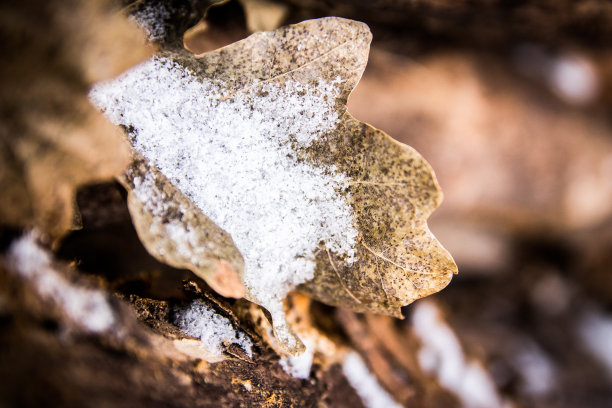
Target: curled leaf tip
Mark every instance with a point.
(226, 281)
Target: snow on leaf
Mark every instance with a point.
(256, 136)
(176, 232)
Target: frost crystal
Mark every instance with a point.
(215, 331)
(235, 155)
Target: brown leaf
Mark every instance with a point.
(51, 138)
(257, 136)
(176, 232)
(392, 191)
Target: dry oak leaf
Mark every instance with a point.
(51, 138)
(257, 136)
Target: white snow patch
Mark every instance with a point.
(215, 331)
(575, 79)
(595, 330)
(88, 308)
(299, 366)
(235, 155)
(365, 383)
(572, 76)
(442, 355)
(536, 369)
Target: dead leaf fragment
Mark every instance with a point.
(51, 138)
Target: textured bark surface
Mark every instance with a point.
(47, 359)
